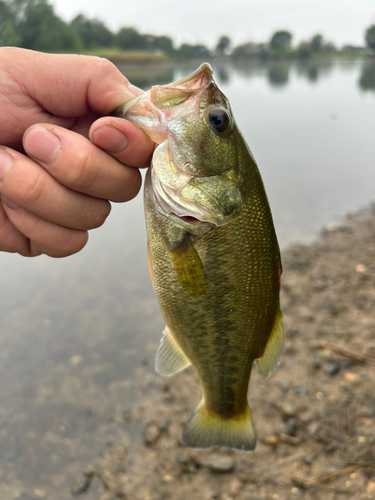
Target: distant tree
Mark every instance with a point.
(130, 39)
(187, 51)
(160, 43)
(223, 45)
(316, 43)
(281, 40)
(370, 37)
(92, 32)
(304, 50)
(248, 49)
(39, 28)
(8, 35)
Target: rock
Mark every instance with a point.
(289, 439)
(271, 440)
(301, 390)
(287, 410)
(218, 463)
(351, 377)
(291, 427)
(235, 486)
(164, 425)
(331, 368)
(283, 383)
(152, 434)
(81, 483)
(308, 460)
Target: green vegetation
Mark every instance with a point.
(33, 24)
(370, 37)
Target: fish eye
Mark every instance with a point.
(218, 119)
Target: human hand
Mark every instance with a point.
(54, 182)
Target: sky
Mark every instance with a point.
(204, 21)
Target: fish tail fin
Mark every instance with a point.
(204, 430)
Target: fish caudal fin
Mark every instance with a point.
(270, 359)
(204, 430)
(169, 357)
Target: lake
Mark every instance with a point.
(74, 331)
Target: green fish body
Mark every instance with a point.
(213, 254)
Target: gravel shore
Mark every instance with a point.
(315, 417)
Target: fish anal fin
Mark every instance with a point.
(270, 359)
(169, 357)
(204, 430)
(189, 269)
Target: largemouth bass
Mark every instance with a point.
(213, 253)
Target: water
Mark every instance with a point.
(74, 331)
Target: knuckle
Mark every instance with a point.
(94, 214)
(80, 174)
(100, 213)
(70, 244)
(33, 190)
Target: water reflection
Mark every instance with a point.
(222, 75)
(278, 73)
(367, 78)
(146, 76)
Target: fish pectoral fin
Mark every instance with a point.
(189, 268)
(204, 430)
(270, 359)
(169, 358)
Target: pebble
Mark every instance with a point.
(283, 383)
(301, 390)
(291, 427)
(351, 377)
(308, 460)
(271, 440)
(75, 360)
(152, 434)
(80, 484)
(331, 368)
(370, 490)
(287, 410)
(218, 463)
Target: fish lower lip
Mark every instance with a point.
(189, 219)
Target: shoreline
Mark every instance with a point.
(315, 416)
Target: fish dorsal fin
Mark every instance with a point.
(169, 358)
(189, 269)
(270, 359)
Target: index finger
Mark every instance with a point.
(69, 85)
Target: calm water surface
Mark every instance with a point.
(74, 331)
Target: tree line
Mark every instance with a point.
(33, 24)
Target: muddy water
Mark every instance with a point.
(74, 331)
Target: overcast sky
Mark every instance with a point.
(203, 21)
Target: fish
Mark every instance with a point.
(213, 254)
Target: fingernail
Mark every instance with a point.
(5, 162)
(110, 139)
(9, 203)
(42, 145)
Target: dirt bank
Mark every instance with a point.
(315, 417)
